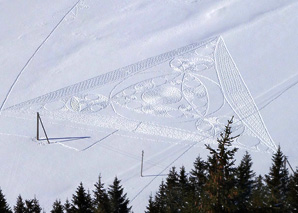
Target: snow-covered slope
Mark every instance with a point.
(113, 78)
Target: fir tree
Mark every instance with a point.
(172, 190)
(151, 208)
(198, 177)
(101, 199)
(161, 199)
(118, 201)
(245, 183)
(81, 200)
(4, 207)
(20, 205)
(220, 185)
(184, 189)
(259, 200)
(67, 206)
(32, 206)
(293, 192)
(57, 207)
(277, 181)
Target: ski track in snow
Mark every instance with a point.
(35, 52)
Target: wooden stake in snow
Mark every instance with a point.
(37, 133)
(142, 163)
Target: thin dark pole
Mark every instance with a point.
(142, 163)
(37, 128)
(44, 130)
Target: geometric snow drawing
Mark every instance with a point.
(186, 94)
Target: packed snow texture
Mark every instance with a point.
(113, 78)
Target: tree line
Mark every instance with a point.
(101, 200)
(213, 185)
(218, 185)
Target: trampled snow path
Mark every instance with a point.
(186, 94)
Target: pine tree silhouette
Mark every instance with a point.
(184, 190)
(20, 205)
(220, 185)
(198, 178)
(172, 191)
(32, 206)
(81, 201)
(4, 207)
(293, 192)
(245, 183)
(67, 206)
(277, 181)
(260, 196)
(151, 208)
(101, 203)
(57, 207)
(118, 201)
(161, 199)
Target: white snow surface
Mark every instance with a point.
(112, 78)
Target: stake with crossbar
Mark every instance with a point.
(37, 133)
(142, 163)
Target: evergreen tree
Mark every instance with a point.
(67, 206)
(151, 208)
(277, 181)
(172, 191)
(198, 178)
(20, 205)
(220, 185)
(57, 207)
(184, 190)
(260, 195)
(81, 200)
(32, 206)
(4, 207)
(245, 183)
(118, 201)
(161, 199)
(101, 199)
(293, 192)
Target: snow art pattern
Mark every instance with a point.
(187, 94)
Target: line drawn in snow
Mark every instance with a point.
(186, 94)
(34, 53)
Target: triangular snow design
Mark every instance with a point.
(175, 94)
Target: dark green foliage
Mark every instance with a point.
(4, 207)
(81, 201)
(101, 201)
(20, 205)
(259, 200)
(184, 190)
(67, 206)
(118, 201)
(172, 191)
(57, 207)
(277, 181)
(32, 206)
(293, 192)
(198, 178)
(161, 198)
(245, 183)
(151, 208)
(220, 186)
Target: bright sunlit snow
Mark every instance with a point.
(112, 78)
